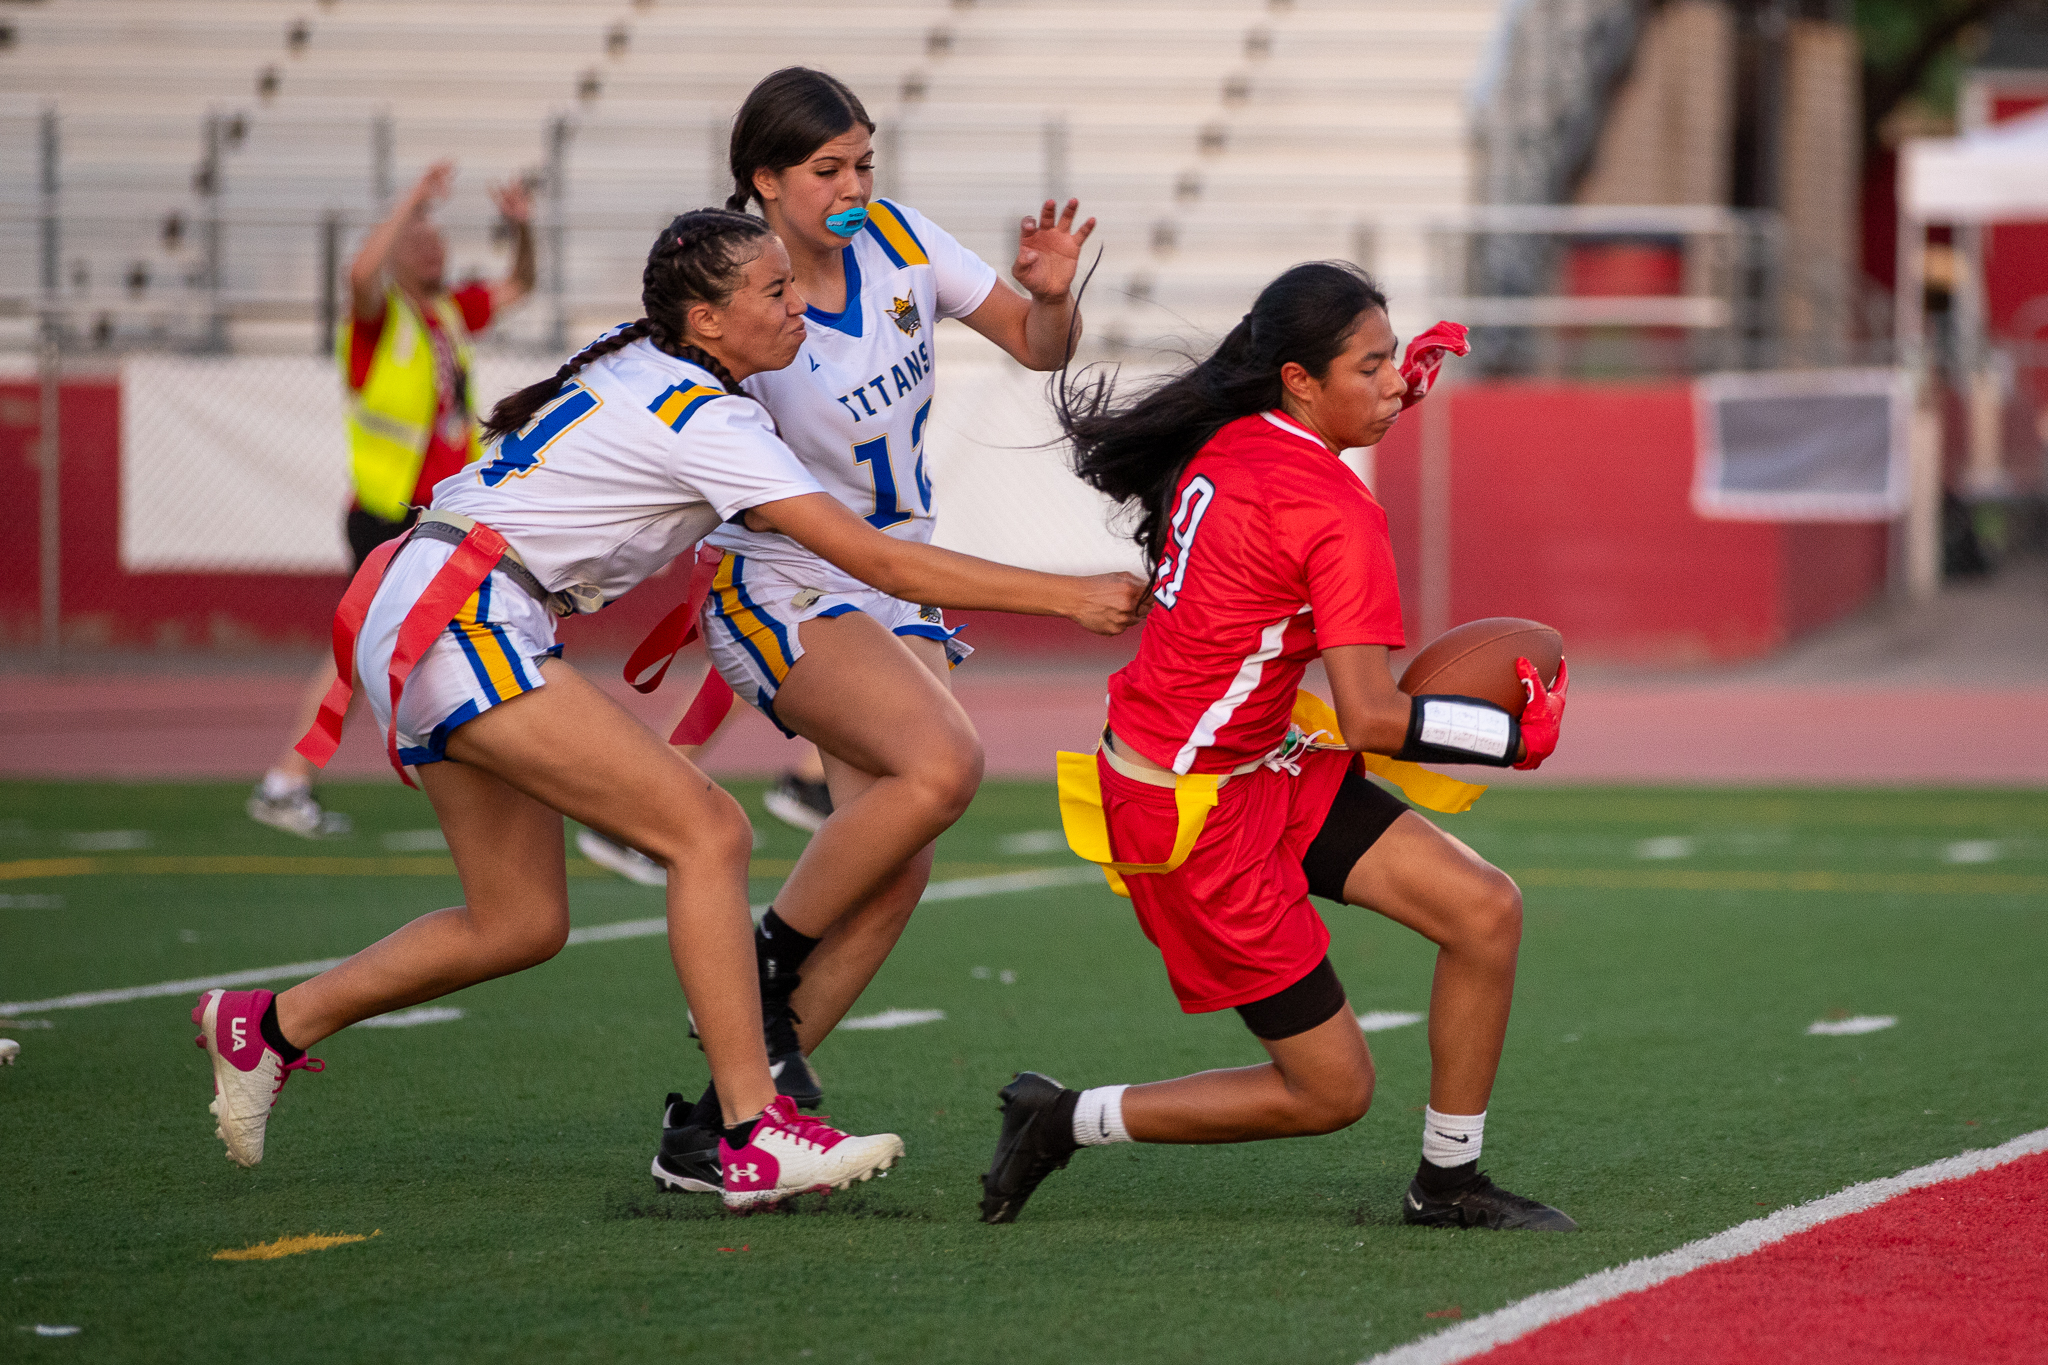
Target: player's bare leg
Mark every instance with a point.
(565, 748)
(903, 761)
(284, 798)
(853, 949)
(866, 698)
(1419, 876)
(1318, 1082)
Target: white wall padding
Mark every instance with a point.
(235, 464)
(1001, 484)
(240, 465)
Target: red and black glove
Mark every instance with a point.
(1543, 716)
(1425, 356)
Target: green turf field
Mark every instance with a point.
(1659, 1086)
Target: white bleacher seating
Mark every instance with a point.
(1217, 141)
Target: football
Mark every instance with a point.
(1477, 659)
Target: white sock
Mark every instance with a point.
(1451, 1139)
(278, 784)
(1099, 1116)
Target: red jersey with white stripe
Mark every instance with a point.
(1276, 553)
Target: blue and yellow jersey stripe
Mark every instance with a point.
(760, 634)
(488, 646)
(679, 403)
(899, 243)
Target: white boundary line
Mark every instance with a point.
(1468, 1339)
(961, 888)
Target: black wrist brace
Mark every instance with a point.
(1461, 730)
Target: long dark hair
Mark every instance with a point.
(784, 119)
(699, 258)
(1135, 451)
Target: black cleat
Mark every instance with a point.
(1034, 1144)
(1480, 1204)
(794, 1078)
(688, 1160)
(799, 804)
(786, 1060)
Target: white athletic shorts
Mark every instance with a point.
(750, 625)
(489, 653)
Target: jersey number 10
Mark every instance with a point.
(875, 455)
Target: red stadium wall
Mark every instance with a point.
(1570, 503)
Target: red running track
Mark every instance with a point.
(193, 725)
(1950, 1272)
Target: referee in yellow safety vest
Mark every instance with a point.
(404, 355)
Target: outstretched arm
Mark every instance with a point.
(1037, 332)
(1104, 603)
(366, 272)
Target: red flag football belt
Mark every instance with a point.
(479, 551)
(649, 664)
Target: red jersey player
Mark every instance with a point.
(1268, 552)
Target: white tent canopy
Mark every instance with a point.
(1994, 174)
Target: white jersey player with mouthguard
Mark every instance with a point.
(855, 404)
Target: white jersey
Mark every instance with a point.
(855, 402)
(629, 466)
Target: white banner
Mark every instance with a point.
(240, 465)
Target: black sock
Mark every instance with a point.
(780, 951)
(274, 1035)
(737, 1135)
(1441, 1180)
(1059, 1134)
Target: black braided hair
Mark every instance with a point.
(699, 258)
(1135, 451)
(782, 123)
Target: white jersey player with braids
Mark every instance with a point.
(592, 480)
(860, 672)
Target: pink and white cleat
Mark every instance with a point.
(247, 1072)
(792, 1153)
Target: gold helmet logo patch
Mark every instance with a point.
(904, 312)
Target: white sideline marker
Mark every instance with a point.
(1379, 1021)
(962, 888)
(1862, 1023)
(893, 1019)
(419, 1014)
(1468, 1339)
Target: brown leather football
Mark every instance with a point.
(1477, 659)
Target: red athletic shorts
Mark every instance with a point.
(1234, 921)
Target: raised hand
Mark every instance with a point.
(1049, 250)
(1425, 356)
(1107, 603)
(513, 201)
(1543, 715)
(432, 187)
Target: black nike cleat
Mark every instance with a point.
(785, 1054)
(1480, 1204)
(794, 1078)
(1035, 1142)
(688, 1159)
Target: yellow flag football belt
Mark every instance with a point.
(1313, 726)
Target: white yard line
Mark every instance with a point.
(893, 1019)
(962, 888)
(1469, 1339)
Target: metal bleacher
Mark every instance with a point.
(206, 147)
